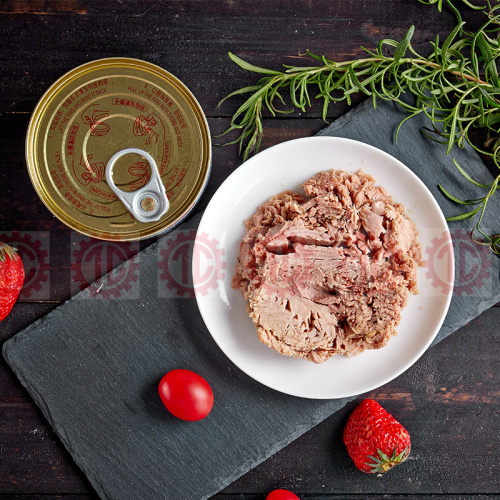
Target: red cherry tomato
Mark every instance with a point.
(186, 395)
(282, 495)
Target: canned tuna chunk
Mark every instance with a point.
(99, 109)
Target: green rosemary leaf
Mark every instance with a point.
(488, 99)
(227, 131)
(492, 118)
(403, 121)
(467, 176)
(431, 2)
(403, 45)
(467, 215)
(270, 103)
(380, 46)
(436, 48)
(243, 90)
(489, 59)
(295, 69)
(455, 199)
(453, 128)
(250, 67)
(357, 85)
(456, 12)
(472, 6)
(374, 54)
(304, 94)
(448, 41)
(293, 93)
(314, 56)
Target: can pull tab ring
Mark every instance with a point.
(146, 204)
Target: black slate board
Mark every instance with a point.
(93, 364)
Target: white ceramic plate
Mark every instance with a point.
(283, 167)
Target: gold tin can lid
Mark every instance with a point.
(100, 108)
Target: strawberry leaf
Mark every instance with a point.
(7, 251)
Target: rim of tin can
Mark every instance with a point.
(113, 62)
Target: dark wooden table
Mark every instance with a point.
(449, 400)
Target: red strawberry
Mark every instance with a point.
(11, 278)
(375, 440)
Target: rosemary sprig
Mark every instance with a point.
(479, 204)
(456, 86)
(335, 81)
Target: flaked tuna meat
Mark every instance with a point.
(371, 222)
(329, 272)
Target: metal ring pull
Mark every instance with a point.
(146, 204)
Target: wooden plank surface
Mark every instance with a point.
(449, 401)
